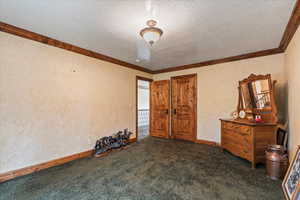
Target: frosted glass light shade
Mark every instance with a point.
(151, 37)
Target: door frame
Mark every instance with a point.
(136, 103)
(196, 103)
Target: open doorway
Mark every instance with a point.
(143, 107)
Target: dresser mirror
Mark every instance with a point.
(256, 98)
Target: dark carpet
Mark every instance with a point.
(150, 170)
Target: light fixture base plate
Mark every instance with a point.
(151, 23)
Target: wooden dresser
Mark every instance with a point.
(247, 140)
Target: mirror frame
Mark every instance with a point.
(269, 115)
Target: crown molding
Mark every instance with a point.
(289, 32)
(66, 46)
(291, 27)
(222, 60)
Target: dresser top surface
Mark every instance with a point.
(244, 122)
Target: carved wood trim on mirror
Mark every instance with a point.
(256, 98)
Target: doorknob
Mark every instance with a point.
(167, 111)
(174, 111)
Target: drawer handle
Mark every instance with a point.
(244, 133)
(245, 151)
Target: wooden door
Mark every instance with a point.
(184, 107)
(160, 104)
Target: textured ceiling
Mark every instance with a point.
(194, 30)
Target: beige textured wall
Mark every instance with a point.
(217, 89)
(292, 65)
(47, 111)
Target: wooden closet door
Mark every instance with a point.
(160, 104)
(184, 107)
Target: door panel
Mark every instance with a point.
(160, 104)
(184, 107)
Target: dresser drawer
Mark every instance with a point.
(238, 149)
(231, 136)
(245, 130)
(230, 126)
(237, 142)
(236, 135)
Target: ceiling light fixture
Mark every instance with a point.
(151, 34)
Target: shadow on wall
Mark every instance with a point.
(281, 95)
